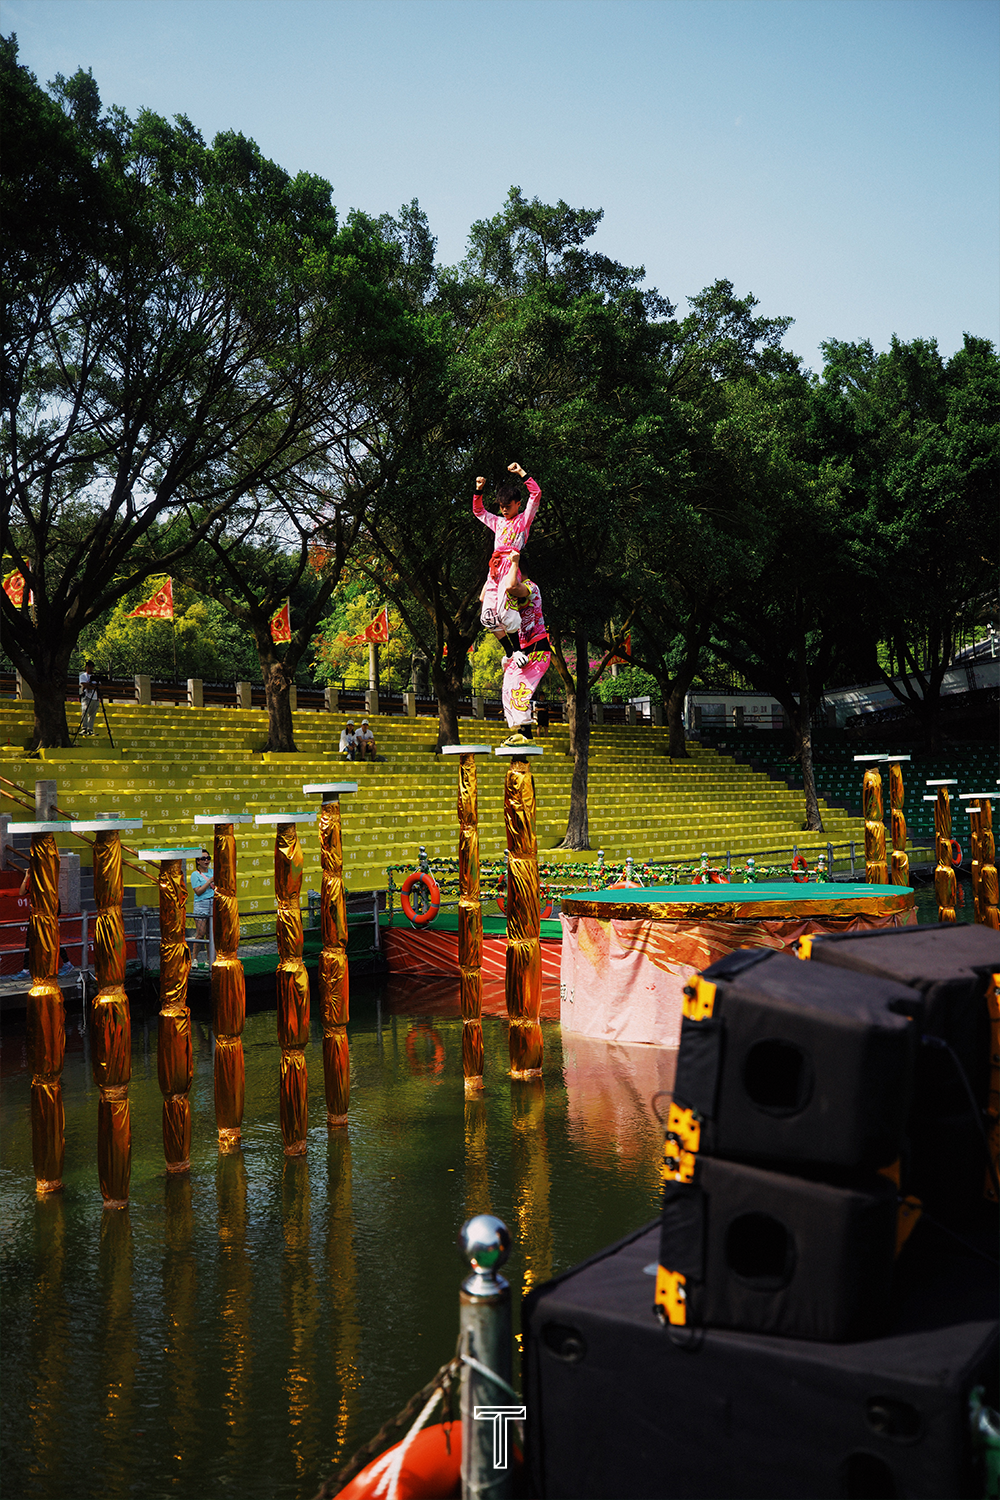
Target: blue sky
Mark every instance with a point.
(840, 159)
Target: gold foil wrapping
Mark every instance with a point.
(988, 887)
(900, 864)
(524, 956)
(470, 925)
(876, 870)
(945, 882)
(46, 1029)
(334, 981)
(975, 864)
(174, 1063)
(823, 905)
(228, 993)
(293, 989)
(111, 1026)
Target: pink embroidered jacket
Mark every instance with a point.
(509, 536)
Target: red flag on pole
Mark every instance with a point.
(377, 631)
(13, 587)
(281, 625)
(159, 607)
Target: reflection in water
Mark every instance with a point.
(530, 1163)
(49, 1351)
(234, 1298)
(609, 1087)
(180, 1284)
(300, 1317)
(477, 1176)
(120, 1355)
(342, 1274)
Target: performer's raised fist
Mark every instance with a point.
(515, 468)
(480, 482)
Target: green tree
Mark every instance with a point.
(922, 438)
(209, 320)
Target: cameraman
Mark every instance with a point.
(88, 699)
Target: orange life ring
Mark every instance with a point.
(956, 852)
(626, 885)
(546, 906)
(718, 878)
(429, 1472)
(799, 863)
(418, 1064)
(430, 885)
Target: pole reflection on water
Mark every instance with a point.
(239, 1337)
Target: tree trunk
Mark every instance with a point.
(448, 688)
(279, 711)
(578, 823)
(48, 684)
(802, 732)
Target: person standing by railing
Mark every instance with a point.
(203, 886)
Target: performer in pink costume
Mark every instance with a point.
(510, 530)
(524, 669)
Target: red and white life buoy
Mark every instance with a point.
(956, 852)
(431, 1468)
(432, 895)
(799, 863)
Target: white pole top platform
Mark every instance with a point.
(974, 796)
(518, 750)
(40, 827)
(160, 856)
(330, 786)
(466, 749)
(214, 818)
(895, 759)
(290, 817)
(949, 781)
(106, 825)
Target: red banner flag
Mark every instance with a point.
(624, 653)
(13, 587)
(159, 607)
(281, 625)
(377, 631)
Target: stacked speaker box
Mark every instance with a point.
(793, 1350)
(951, 966)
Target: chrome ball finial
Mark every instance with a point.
(484, 1241)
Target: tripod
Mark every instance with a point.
(83, 715)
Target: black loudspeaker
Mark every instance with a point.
(744, 1248)
(794, 1062)
(950, 966)
(616, 1408)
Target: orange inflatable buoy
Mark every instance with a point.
(433, 898)
(429, 1472)
(956, 852)
(799, 863)
(433, 1063)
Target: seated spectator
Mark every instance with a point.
(365, 742)
(349, 741)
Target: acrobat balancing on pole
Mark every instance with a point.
(510, 532)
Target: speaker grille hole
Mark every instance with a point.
(565, 1342)
(760, 1251)
(777, 1077)
(867, 1477)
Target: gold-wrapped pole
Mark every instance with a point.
(900, 863)
(293, 989)
(46, 1018)
(524, 956)
(111, 1025)
(988, 890)
(945, 882)
(876, 872)
(174, 1062)
(334, 980)
(470, 925)
(975, 860)
(229, 1004)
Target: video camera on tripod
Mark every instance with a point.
(90, 697)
